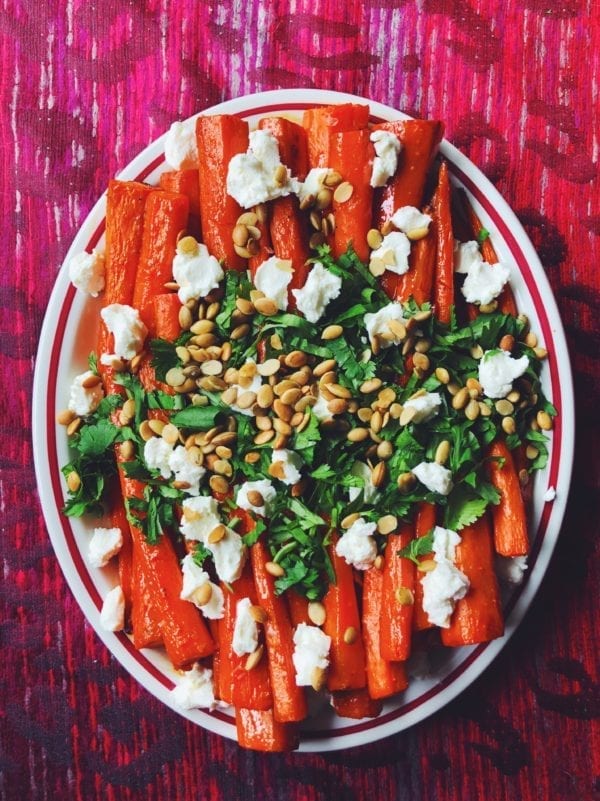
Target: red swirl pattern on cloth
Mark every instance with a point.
(84, 87)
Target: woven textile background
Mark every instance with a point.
(83, 87)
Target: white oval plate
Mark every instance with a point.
(68, 335)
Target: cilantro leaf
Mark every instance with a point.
(420, 546)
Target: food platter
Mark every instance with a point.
(69, 334)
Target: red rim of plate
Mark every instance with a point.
(547, 336)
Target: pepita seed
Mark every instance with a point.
(274, 569)
(504, 407)
(316, 240)
(507, 342)
(442, 452)
(404, 596)
(323, 199)
(488, 308)
(254, 658)
(73, 481)
(217, 534)
(127, 450)
(295, 359)
(472, 409)
(203, 594)
(332, 332)
(357, 434)
(324, 367)
(406, 482)
(384, 450)
(64, 417)
(219, 484)
(270, 367)
(387, 524)
(266, 306)
(223, 467)
(175, 377)
(371, 385)
(264, 396)
(333, 178)
(442, 375)
(417, 233)
(264, 436)
(376, 267)
(427, 565)
(374, 239)
(170, 433)
(240, 331)
(460, 399)
(318, 678)
(343, 192)
(509, 425)
(350, 635)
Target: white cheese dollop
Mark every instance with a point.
(86, 272)
(196, 273)
(497, 371)
(245, 630)
(181, 148)
(195, 690)
(426, 406)
(200, 517)
(409, 218)
(229, 555)
(313, 183)
(311, 650)
(251, 175)
(363, 471)
(435, 477)
(445, 584)
(393, 252)
(510, 569)
(112, 615)
(84, 400)
(377, 323)
(128, 330)
(272, 277)
(157, 453)
(265, 487)
(465, 255)
(185, 469)
(484, 282)
(385, 163)
(194, 578)
(321, 287)
(292, 463)
(105, 543)
(357, 545)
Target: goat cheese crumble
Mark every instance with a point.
(321, 287)
(128, 330)
(272, 277)
(497, 371)
(105, 543)
(393, 252)
(86, 272)
(357, 546)
(445, 584)
(311, 650)
(387, 147)
(84, 400)
(196, 273)
(435, 477)
(194, 577)
(181, 148)
(409, 218)
(251, 176)
(195, 690)
(112, 615)
(245, 630)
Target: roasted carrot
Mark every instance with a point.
(298, 607)
(418, 281)
(289, 703)
(383, 678)
(397, 605)
(351, 154)
(342, 624)
(146, 613)
(444, 275)
(165, 217)
(356, 704)
(478, 616)
(118, 519)
(220, 137)
(249, 689)
(425, 521)
(183, 182)
(419, 140)
(292, 141)
(320, 122)
(260, 731)
(166, 316)
(509, 517)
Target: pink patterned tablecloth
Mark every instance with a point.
(86, 85)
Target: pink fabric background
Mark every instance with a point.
(83, 87)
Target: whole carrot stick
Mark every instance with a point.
(321, 121)
(478, 616)
(398, 599)
(220, 138)
(419, 140)
(509, 517)
(383, 678)
(260, 731)
(289, 703)
(343, 625)
(444, 276)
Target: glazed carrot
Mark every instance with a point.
(166, 316)
(165, 217)
(288, 226)
(397, 612)
(342, 624)
(419, 140)
(146, 623)
(249, 689)
(444, 276)
(383, 678)
(351, 154)
(220, 137)
(118, 519)
(298, 607)
(509, 517)
(356, 704)
(183, 182)
(418, 281)
(425, 521)
(260, 731)
(320, 122)
(289, 703)
(478, 616)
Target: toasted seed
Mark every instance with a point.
(507, 342)
(324, 367)
(219, 484)
(472, 410)
(417, 233)
(175, 377)
(255, 657)
(338, 406)
(531, 340)
(476, 352)
(376, 421)
(255, 498)
(263, 422)
(339, 391)
(258, 614)
(126, 450)
(343, 192)
(421, 361)
(442, 452)
(349, 520)
(442, 375)
(203, 594)
(374, 239)
(212, 383)
(488, 308)
(386, 397)
(323, 199)
(223, 452)
(280, 175)
(264, 396)
(385, 449)
(387, 524)
(217, 534)
(406, 482)
(73, 481)
(427, 565)
(146, 432)
(407, 415)
(332, 332)
(371, 385)
(514, 396)
(379, 474)
(306, 202)
(315, 220)
(240, 235)
(316, 239)
(229, 396)
(266, 306)
(240, 331)
(274, 569)
(484, 409)
(357, 434)
(460, 400)
(270, 367)
(247, 218)
(282, 410)
(504, 407)
(65, 417)
(170, 433)
(544, 421)
(318, 677)
(290, 396)
(316, 613)
(211, 367)
(295, 359)
(350, 635)
(509, 425)
(404, 596)
(263, 437)
(333, 178)
(532, 452)
(376, 267)
(282, 427)
(379, 562)
(156, 426)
